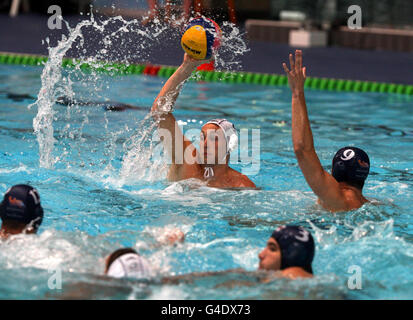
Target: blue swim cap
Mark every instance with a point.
(22, 203)
(351, 165)
(296, 245)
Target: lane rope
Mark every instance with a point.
(115, 68)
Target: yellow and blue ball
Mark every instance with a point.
(201, 37)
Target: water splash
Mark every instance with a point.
(233, 47)
(137, 163)
(51, 79)
(95, 41)
(55, 83)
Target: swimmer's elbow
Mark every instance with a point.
(154, 111)
(298, 149)
(301, 150)
(299, 145)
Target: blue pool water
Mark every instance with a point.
(105, 190)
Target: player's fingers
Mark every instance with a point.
(285, 68)
(298, 60)
(291, 61)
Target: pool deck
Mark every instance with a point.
(24, 34)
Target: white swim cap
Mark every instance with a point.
(230, 133)
(129, 265)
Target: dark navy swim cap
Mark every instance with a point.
(296, 245)
(351, 165)
(22, 203)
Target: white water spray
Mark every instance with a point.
(136, 160)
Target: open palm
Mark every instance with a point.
(296, 76)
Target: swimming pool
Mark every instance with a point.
(96, 201)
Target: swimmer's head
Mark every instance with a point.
(351, 165)
(218, 139)
(20, 210)
(288, 246)
(127, 263)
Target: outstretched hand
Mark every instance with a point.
(296, 76)
(191, 62)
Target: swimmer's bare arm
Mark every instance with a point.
(167, 98)
(254, 276)
(321, 182)
(191, 277)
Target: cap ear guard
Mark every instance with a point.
(37, 217)
(339, 171)
(232, 142)
(38, 211)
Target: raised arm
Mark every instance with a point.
(321, 182)
(163, 106)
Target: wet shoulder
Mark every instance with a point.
(349, 200)
(295, 272)
(353, 199)
(240, 180)
(184, 171)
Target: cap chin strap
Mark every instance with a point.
(231, 144)
(208, 172)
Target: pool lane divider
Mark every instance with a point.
(114, 68)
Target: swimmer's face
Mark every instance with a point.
(213, 144)
(270, 257)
